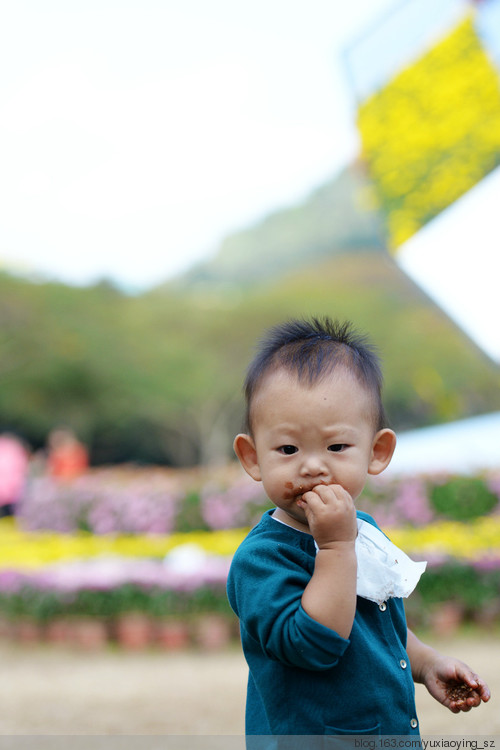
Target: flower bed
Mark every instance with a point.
(143, 501)
(422, 500)
(161, 502)
(137, 600)
(175, 571)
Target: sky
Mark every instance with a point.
(136, 134)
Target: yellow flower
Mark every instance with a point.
(464, 541)
(433, 131)
(28, 551)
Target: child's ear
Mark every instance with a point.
(244, 447)
(383, 447)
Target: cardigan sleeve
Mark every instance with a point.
(265, 588)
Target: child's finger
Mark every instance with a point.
(330, 492)
(483, 690)
(310, 502)
(475, 682)
(311, 498)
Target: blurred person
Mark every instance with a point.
(318, 588)
(14, 459)
(67, 457)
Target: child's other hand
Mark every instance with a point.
(330, 514)
(455, 685)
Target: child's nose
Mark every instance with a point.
(313, 466)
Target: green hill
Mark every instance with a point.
(334, 218)
(157, 377)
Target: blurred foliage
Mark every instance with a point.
(463, 498)
(157, 378)
(459, 582)
(474, 591)
(190, 515)
(433, 131)
(43, 605)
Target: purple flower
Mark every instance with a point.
(233, 506)
(412, 504)
(102, 502)
(11, 581)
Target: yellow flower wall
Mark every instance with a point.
(471, 541)
(433, 132)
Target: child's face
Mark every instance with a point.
(304, 436)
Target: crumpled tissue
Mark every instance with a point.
(384, 570)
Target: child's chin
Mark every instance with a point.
(297, 515)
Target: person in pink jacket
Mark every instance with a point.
(13, 469)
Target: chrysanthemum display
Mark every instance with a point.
(46, 572)
(433, 131)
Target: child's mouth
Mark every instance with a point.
(292, 491)
(296, 492)
(300, 492)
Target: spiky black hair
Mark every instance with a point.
(312, 349)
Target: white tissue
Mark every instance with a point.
(384, 570)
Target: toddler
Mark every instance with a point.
(327, 652)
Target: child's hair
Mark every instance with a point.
(312, 349)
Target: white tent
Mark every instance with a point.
(463, 447)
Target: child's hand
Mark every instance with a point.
(330, 514)
(454, 684)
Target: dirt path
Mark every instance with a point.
(46, 690)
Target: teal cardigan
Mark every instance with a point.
(304, 679)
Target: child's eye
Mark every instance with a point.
(287, 450)
(337, 447)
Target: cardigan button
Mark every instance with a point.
(402, 664)
(382, 607)
(414, 723)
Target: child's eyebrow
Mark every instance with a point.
(340, 429)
